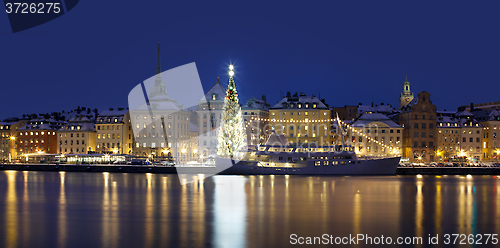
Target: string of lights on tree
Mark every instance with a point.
(321, 121)
(232, 135)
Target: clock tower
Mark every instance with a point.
(406, 96)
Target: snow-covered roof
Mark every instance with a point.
(299, 102)
(487, 115)
(83, 126)
(44, 126)
(387, 109)
(219, 92)
(368, 118)
(464, 113)
(256, 104)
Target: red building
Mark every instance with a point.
(37, 137)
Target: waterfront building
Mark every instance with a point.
(406, 96)
(371, 128)
(78, 136)
(448, 137)
(161, 126)
(257, 111)
(418, 119)
(8, 137)
(347, 112)
(304, 120)
(209, 114)
(114, 132)
(490, 120)
(38, 136)
(471, 131)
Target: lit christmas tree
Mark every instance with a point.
(231, 138)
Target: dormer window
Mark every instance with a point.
(214, 97)
(116, 120)
(109, 119)
(307, 105)
(314, 105)
(299, 105)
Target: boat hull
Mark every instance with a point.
(385, 166)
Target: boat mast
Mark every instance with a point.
(340, 131)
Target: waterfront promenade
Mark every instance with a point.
(211, 170)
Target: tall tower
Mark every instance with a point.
(159, 88)
(406, 96)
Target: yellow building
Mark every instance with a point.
(448, 138)
(78, 136)
(490, 120)
(8, 139)
(374, 134)
(304, 120)
(114, 132)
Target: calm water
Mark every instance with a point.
(51, 209)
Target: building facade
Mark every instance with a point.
(369, 129)
(255, 114)
(114, 132)
(490, 120)
(38, 136)
(418, 119)
(471, 132)
(448, 138)
(304, 120)
(8, 138)
(78, 136)
(345, 113)
(209, 116)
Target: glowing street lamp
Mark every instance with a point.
(115, 151)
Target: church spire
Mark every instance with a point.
(158, 65)
(159, 88)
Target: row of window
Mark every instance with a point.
(456, 148)
(71, 150)
(145, 117)
(424, 135)
(423, 144)
(382, 139)
(417, 117)
(109, 127)
(424, 125)
(487, 135)
(71, 135)
(368, 130)
(110, 136)
(71, 142)
(32, 141)
(36, 133)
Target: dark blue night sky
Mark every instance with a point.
(350, 51)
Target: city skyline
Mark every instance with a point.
(346, 53)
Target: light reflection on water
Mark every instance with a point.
(50, 209)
